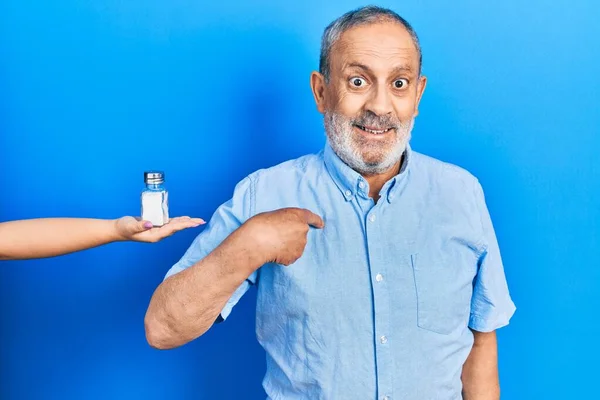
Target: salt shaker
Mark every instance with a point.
(155, 199)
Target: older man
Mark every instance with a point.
(392, 285)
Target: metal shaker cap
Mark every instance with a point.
(154, 177)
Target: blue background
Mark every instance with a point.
(94, 92)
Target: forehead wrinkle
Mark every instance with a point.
(401, 58)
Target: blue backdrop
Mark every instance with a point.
(93, 92)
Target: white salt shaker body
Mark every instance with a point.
(155, 199)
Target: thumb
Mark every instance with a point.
(142, 226)
(313, 219)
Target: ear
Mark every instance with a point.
(420, 89)
(317, 84)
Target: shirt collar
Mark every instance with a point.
(351, 182)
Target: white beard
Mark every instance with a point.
(350, 148)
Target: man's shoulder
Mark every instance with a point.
(290, 169)
(442, 171)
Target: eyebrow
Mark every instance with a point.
(400, 68)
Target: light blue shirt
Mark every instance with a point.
(380, 304)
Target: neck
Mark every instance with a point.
(377, 181)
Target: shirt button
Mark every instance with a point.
(386, 398)
(383, 339)
(348, 193)
(361, 184)
(372, 218)
(378, 277)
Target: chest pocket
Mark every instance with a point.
(444, 287)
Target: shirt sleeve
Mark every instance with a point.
(226, 219)
(491, 304)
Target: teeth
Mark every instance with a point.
(375, 132)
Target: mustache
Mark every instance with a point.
(370, 119)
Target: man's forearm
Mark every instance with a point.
(185, 305)
(480, 372)
(48, 237)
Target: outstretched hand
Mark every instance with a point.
(129, 228)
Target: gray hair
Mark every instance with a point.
(360, 16)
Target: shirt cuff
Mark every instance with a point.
(492, 322)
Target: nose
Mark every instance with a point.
(380, 101)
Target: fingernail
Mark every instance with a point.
(147, 225)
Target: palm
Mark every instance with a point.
(129, 228)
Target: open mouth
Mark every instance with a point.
(372, 130)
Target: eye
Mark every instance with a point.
(357, 82)
(400, 83)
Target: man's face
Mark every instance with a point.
(372, 97)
